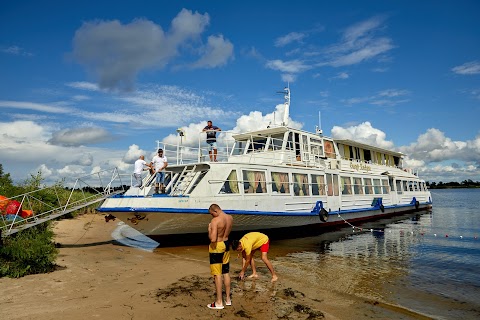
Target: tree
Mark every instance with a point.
(7, 188)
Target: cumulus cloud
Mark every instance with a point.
(434, 146)
(217, 53)
(21, 131)
(116, 52)
(84, 159)
(363, 132)
(80, 136)
(133, 153)
(468, 68)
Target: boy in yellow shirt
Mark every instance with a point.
(248, 245)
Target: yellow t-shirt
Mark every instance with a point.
(252, 241)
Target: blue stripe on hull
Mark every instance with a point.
(248, 212)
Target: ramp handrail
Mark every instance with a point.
(85, 191)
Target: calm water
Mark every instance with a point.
(428, 262)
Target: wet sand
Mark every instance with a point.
(99, 279)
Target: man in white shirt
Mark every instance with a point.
(160, 163)
(140, 165)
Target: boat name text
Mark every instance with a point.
(360, 166)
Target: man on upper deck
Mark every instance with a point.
(212, 139)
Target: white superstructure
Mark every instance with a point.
(273, 178)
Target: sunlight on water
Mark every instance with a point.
(428, 262)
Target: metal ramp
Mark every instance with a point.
(83, 192)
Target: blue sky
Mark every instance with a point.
(93, 84)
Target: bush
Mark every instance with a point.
(30, 251)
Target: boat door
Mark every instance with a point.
(333, 191)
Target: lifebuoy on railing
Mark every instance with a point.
(417, 204)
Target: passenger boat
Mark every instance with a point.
(275, 177)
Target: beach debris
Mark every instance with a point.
(110, 217)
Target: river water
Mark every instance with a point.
(425, 262)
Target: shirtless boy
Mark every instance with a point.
(218, 231)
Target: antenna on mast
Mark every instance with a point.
(286, 93)
(318, 129)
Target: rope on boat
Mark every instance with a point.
(402, 231)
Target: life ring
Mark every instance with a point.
(323, 214)
(417, 204)
(382, 208)
(328, 147)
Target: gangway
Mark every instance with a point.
(84, 191)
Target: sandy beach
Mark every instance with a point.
(97, 278)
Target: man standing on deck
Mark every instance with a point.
(212, 139)
(218, 231)
(160, 163)
(140, 165)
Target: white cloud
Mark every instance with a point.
(15, 50)
(80, 136)
(342, 75)
(83, 85)
(217, 53)
(468, 68)
(22, 131)
(133, 153)
(292, 66)
(45, 171)
(127, 49)
(288, 78)
(363, 132)
(388, 97)
(34, 106)
(289, 38)
(359, 43)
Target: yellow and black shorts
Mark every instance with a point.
(219, 257)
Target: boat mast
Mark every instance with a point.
(286, 96)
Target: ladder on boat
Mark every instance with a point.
(184, 180)
(85, 191)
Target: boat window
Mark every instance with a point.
(276, 142)
(280, 183)
(376, 184)
(385, 187)
(258, 145)
(239, 147)
(300, 184)
(318, 185)
(332, 184)
(231, 184)
(367, 155)
(367, 182)
(197, 181)
(399, 186)
(410, 186)
(405, 185)
(254, 182)
(357, 186)
(346, 185)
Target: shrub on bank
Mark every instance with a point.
(29, 252)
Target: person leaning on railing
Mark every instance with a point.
(211, 131)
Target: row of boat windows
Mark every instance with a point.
(302, 184)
